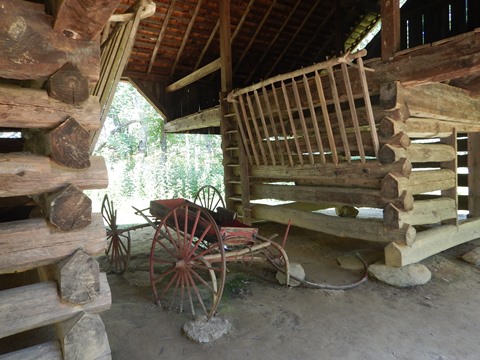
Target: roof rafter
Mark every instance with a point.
(242, 20)
(292, 39)
(186, 36)
(207, 45)
(160, 36)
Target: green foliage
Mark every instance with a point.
(146, 163)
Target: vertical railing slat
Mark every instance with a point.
(292, 123)
(249, 130)
(282, 126)
(272, 124)
(246, 142)
(265, 128)
(257, 131)
(302, 121)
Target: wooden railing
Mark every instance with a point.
(315, 115)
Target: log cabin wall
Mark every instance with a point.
(51, 287)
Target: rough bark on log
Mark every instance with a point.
(82, 19)
(416, 153)
(32, 306)
(78, 278)
(34, 109)
(68, 85)
(33, 174)
(68, 144)
(31, 49)
(68, 209)
(27, 244)
(84, 334)
(419, 182)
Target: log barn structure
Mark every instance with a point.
(305, 118)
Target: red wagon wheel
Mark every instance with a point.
(209, 197)
(118, 248)
(187, 261)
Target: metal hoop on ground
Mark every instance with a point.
(187, 261)
(118, 248)
(209, 197)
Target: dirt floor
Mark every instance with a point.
(439, 320)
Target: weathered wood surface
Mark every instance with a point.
(27, 244)
(68, 85)
(22, 174)
(31, 49)
(431, 242)
(334, 195)
(417, 153)
(343, 174)
(68, 209)
(34, 109)
(419, 182)
(78, 278)
(194, 76)
(203, 119)
(82, 19)
(364, 229)
(32, 306)
(390, 32)
(474, 174)
(424, 212)
(424, 127)
(437, 101)
(84, 334)
(47, 351)
(68, 144)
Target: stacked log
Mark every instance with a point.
(46, 223)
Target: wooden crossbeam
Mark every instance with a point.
(194, 76)
(203, 119)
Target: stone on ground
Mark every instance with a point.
(473, 257)
(409, 275)
(202, 330)
(350, 261)
(296, 270)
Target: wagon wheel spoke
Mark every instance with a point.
(209, 197)
(179, 277)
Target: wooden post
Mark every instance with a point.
(474, 174)
(83, 337)
(390, 36)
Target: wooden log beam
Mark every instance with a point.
(332, 195)
(68, 209)
(363, 229)
(419, 182)
(431, 242)
(423, 212)
(27, 244)
(68, 144)
(195, 76)
(81, 19)
(32, 174)
(34, 109)
(437, 101)
(343, 174)
(84, 334)
(423, 127)
(32, 306)
(31, 49)
(68, 85)
(203, 119)
(416, 153)
(146, 11)
(47, 351)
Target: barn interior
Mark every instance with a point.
(309, 113)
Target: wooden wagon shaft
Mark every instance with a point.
(238, 255)
(34, 109)
(367, 229)
(32, 306)
(68, 144)
(432, 241)
(424, 127)
(437, 101)
(30, 243)
(372, 169)
(335, 195)
(419, 182)
(423, 212)
(32, 174)
(32, 49)
(417, 153)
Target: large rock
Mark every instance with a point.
(409, 275)
(350, 261)
(203, 330)
(296, 270)
(473, 257)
